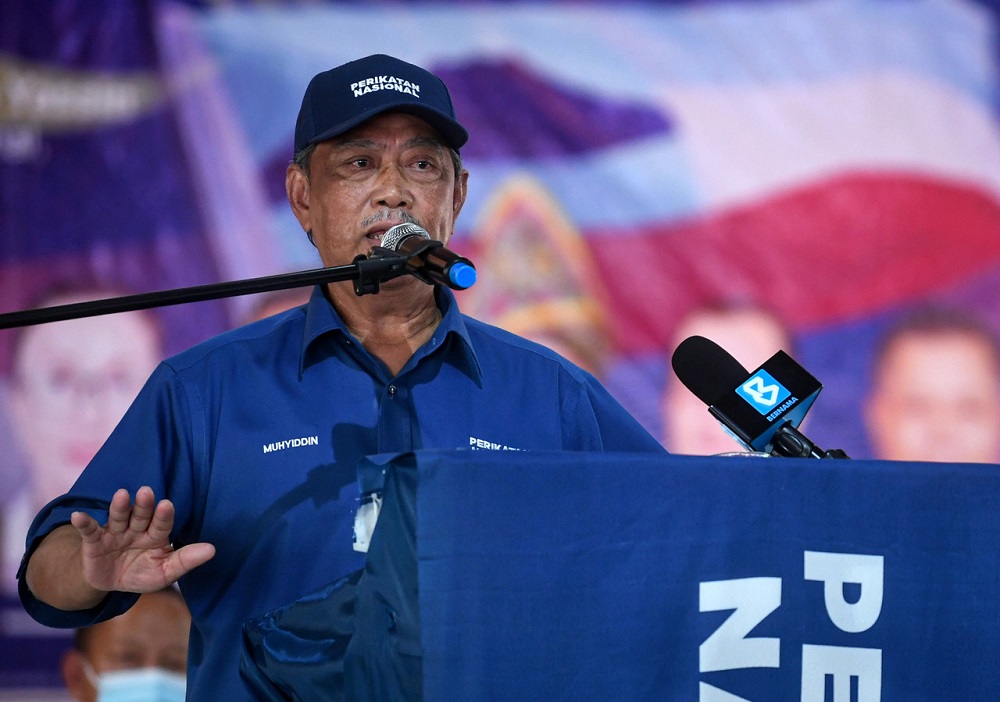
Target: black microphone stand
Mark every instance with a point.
(789, 442)
(367, 274)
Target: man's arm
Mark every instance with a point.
(77, 565)
(55, 572)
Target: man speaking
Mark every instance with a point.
(185, 488)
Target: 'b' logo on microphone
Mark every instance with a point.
(762, 391)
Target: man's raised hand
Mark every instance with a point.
(132, 552)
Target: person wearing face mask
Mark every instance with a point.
(139, 656)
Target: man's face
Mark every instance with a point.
(72, 383)
(152, 634)
(394, 168)
(937, 398)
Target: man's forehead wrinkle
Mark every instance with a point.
(354, 144)
(365, 143)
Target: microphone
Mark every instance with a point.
(761, 410)
(426, 258)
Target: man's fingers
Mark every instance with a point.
(187, 558)
(86, 526)
(162, 521)
(119, 512)
(132, 551)
(142, 510)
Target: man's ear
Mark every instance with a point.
(71, 667)
(461, 190)
(297, 188)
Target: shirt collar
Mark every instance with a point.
(322, 318)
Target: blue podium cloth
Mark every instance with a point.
(357, 638)
(562, 576)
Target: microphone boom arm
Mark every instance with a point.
(367, 274)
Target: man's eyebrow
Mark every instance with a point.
(425, 141)
(354, 144)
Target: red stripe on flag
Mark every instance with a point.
(840, 248)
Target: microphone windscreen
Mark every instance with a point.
(707, 369)
(395, 235)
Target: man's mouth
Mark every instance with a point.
(375, 235)
(382, 222)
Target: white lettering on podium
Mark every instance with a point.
(853, 590)
(842, 663)
(728, 647)
(710, 693)
(835, 570)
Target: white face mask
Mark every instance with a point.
(137, 685)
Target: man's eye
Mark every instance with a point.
(360, 162)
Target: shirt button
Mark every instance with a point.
(392, 391)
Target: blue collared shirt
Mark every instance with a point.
(255, 436)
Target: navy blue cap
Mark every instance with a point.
(341, 98)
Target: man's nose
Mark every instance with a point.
(391, 189)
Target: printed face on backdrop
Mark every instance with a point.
(71, 384)
(751, 336)
(394, 168)
(936, 397)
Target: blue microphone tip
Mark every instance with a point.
(462, 275)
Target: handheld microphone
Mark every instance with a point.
(761, 410)
(426, 258)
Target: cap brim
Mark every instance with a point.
(453, 133)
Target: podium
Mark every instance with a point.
(564, 576)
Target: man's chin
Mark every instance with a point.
(403, 282)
